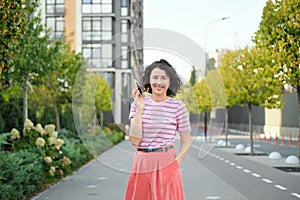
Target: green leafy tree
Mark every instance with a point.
(231, 77)
(188, 96)
(14, 16)
(192, 80)
(35, 57)
(103, 98)
(91, 95)
(210, 65)
(203, 97)
(57, 88)
(259, 85)
(279, 36)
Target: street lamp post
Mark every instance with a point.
(205, 69)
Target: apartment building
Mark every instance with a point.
(109, 35)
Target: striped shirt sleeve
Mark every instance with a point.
(132, 110)
(182, 117)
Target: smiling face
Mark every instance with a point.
(159, 82)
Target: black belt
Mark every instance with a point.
(161, 149)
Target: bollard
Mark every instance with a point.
(298, 142)
(270, 139)
(290, 143)
(276, 139)
(265, 138)
(282, 139)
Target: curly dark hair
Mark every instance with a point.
(175, 81)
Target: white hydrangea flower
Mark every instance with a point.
(51, 140)
(28, 125)
(59, 143)
(39, 129)
(54, 134)
(15, 134)
(49, 129)
(40, 142)
(48, 159)
(52, 171)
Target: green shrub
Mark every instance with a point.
(4, 141)
(20, 174)
(47, 142)
(77, 152)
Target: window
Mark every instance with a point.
(126, 87)
(96, 6)
(56, 25)
(109, 78)
(124, 31)
(98, 55)
(124, 3)
(125, 57)
(124, 8)
(55, 6)
(96, 29)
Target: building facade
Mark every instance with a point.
(109, 35)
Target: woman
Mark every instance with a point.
(155, 120)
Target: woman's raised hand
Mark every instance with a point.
(138, 98)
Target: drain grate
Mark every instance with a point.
(289, 169)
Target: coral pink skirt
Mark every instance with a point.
(155, 176)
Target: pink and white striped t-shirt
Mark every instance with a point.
(161, 121)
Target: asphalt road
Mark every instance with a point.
(209, 172)
(254, 178)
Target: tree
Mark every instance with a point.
(279, 36)
(211, 64)
(187, 95)
(231, 77)
(259, 85)
(34, 58)
(103, 98)
(57, 88)
(193, 77)
(203, 97)
(14, 16)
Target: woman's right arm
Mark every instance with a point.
(135, 131)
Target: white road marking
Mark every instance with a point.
(226, 161)
(212, 197)
(91, 186)
(281, 187)
(267, 180)
(102, 178)
(296, 195)
(247, 170)
(221, 158)
(232, 164)
(239, 167)
(255, 175)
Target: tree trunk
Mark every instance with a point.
(250, 128)
(57, 117)
(25, 99)
(226, 126)
(298, 93)
(101, 119)
(94, 120)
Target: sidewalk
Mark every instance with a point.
(106, 178)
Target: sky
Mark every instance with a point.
(197, 18)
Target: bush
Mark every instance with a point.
(77, 152)
(46, 141)
(20, 174)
